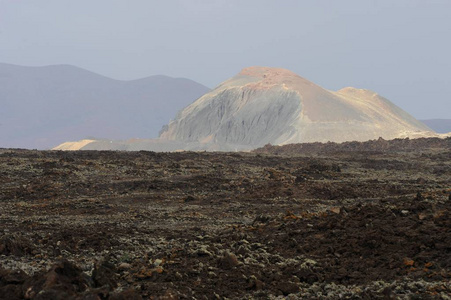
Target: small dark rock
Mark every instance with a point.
(104, 274)
(12, 277)
(261, 219)
(52, 294)
(126, 295)
(255, 284)
(11, 292)
(419, 197)
(189, 198)
(15, 245)
(61, 281)
(288, 287)
(228, 261)
(421, 180)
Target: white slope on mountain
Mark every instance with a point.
(269, 105)
(264, 105)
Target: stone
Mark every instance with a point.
(228, 261)
(104, 274)
(124, 266)
(288, 287)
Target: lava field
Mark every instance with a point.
(316, 221)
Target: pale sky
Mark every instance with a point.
(398, 48)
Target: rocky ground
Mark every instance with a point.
(361, 222)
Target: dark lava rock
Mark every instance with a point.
(12, 277)
(62, 281)
(104, 274)
(419, 197)
(126, 295)
(288, 287)
(11, 292)
(228, 261)
(14, 245)
(11, 284)
(189, 198)
(358, 233)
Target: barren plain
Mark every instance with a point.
(338, 221)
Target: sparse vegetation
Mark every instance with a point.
(331, 222)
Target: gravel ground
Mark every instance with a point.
(319, 221)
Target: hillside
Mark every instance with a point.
(264, 105)
(45, 106)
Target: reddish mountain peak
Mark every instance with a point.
(266, 72)
(269, 77)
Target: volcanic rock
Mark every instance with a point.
(264, 105)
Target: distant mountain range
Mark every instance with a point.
(262, 105)
(41, 107)
(439, 125)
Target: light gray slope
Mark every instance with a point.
(439, 125)
(264, 105)
(45, 106)
(269, 105)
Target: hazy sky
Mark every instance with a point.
(401, 49)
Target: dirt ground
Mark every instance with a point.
(350, 221)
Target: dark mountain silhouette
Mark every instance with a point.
(439, 125)
(44, 106)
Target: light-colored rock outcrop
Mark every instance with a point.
(73, 146)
